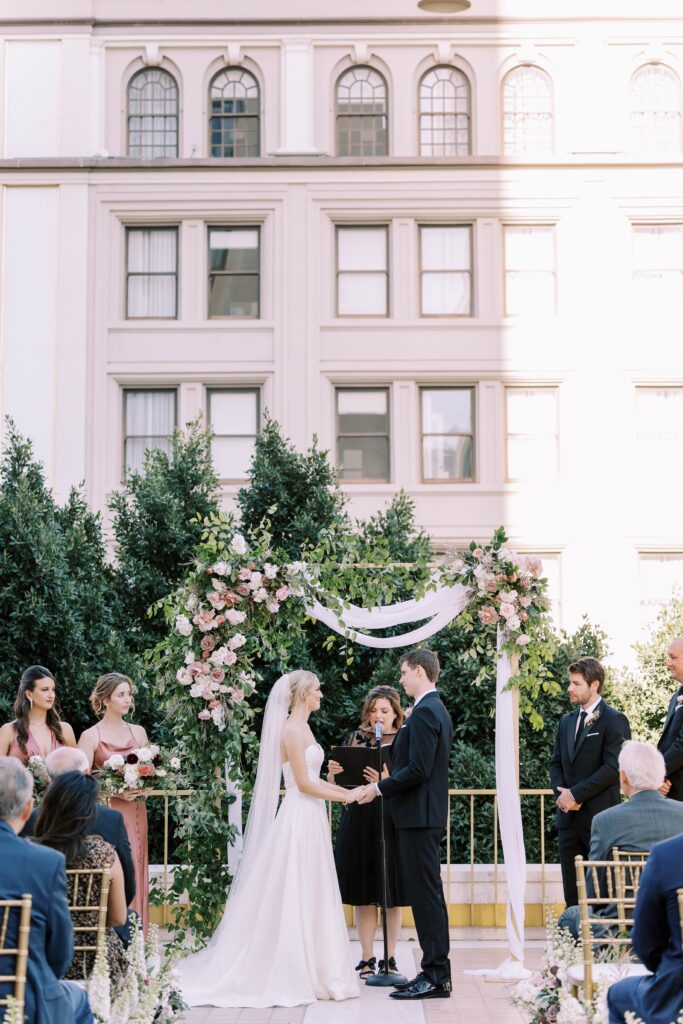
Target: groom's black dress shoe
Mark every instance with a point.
(422, 988)
(407, 984)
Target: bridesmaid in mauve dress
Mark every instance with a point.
(112, 699)
(37, 729)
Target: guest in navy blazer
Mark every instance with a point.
(40, 872)
(656, 937)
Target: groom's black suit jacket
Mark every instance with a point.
(671, 746)
(418, 785)
(589, 765)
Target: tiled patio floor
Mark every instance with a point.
(474, 1000)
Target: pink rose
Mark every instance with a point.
(458, 565)
(525, 600)
(215, 600)
(234, 617)
(282, 594)
(220, 619)
(207, 693)
(523, 639)
(204, 715)
(243, 589)
(478, 552)
(218, 675)
(507, 610)
(535, 567)
(204, 620)
(207, 643)
(245, 574)
(491, 586)
(488, 615)
(146, 771)
(229, 658)
(237, 696)
(523, 616)
(214, 704)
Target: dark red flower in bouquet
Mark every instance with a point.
(157, 760)
(132, 759)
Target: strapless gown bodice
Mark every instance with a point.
(314, 761)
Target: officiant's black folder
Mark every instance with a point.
(354, 760)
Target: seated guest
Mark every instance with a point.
(108, 823)
(63, 823)
(34, 870)
(37, 728)
(656, 998)
(646, 818)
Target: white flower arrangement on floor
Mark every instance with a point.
(632, 1019)
(148, 993)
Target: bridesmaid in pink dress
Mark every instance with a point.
(37, 729)
(112, 700)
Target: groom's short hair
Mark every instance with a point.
(427, 660)
(590, 669)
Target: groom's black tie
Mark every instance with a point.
(582, 721)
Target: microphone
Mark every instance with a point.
(379, 730)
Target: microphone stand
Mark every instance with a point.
(385, 977)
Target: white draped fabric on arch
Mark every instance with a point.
(439, 608)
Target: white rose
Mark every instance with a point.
(192, 602)
(130, 776)
(183, 625)
(175, 763)
(238, 544)
(183, 676)
(297, 567)
(272, 606)
(525, 600)
(234, 617)
(260, 595)
(146, 753)
(114, 762)
(255, 580)
(270, 571)
(236, 641)
(197, 689)
(161, 773)
(189, 657)
(514, 623)
(218, 657)
(221, 568)
(223, 688)
(217, 718)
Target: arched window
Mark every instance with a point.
(444, 113)
(527, 111)
(152, 114)
(235, 112)
(655, 110)
(362, 123)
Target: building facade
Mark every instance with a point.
(450, 247)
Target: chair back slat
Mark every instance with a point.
(20, 951)
(614, 884)
(84, 900)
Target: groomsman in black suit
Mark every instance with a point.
(671, 740)
(417, 790)
(584, 768)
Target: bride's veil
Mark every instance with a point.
(266, 792)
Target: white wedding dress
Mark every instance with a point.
(283, 939)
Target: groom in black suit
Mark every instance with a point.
(417, 790)
(584, 768)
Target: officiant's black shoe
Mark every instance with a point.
(391, 966)
(406, 984)
(422, 988)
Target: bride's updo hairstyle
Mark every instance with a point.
(300, 682)
(104, 687)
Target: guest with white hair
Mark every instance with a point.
(40, 872)
(646, 818)
(108, 823)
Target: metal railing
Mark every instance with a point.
(471, 795)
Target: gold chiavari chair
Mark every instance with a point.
(19, 952)
(634, 861)
(85, 901)
(613, 888)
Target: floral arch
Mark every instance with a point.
(241, 603)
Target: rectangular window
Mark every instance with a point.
(446, 270)
(447, 433)
(530, 285)
(363, 433)
(362, 271)
(151, 273)
(234, 417)
(234, 272)
(658, 267)
(532, 433)
(659, 430)
(149, 422)
(660, 574)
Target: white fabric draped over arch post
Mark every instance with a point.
(440, 607)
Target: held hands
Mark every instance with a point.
(566, 801)
(352, 795)
(367, 794)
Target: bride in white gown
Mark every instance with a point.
(282, 940)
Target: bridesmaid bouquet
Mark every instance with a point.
(144, 768)
(41, 780)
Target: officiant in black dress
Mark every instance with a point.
(357, 850)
